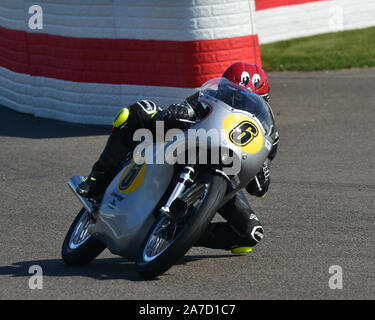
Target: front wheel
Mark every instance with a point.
(79, 247)
(169, 240)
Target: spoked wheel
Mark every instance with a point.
(167, 230)
(170, 238)
(80, 233)
(79, 247)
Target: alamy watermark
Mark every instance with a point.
(336, 280)
(36, 19)
(186, 147)
(36, 280)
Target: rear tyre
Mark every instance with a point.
(169, 240)
(79, 247)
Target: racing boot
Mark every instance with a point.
(221, 235)
(105, 169)
(241, 231)
(97, 181)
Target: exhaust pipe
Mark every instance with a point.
(73, 183)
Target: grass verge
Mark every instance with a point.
(338, 50)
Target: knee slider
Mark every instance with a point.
(121, 118)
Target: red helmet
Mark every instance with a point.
(250, 76)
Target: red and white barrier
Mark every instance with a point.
(285, 19)
(93, 57)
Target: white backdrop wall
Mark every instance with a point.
(94, 56)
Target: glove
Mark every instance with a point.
(181, 111)
(259, 185)
(163, 115)
(174, 112)
(168, 117)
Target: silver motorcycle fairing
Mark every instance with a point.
(124, 219)
(126, 216)
(250, 163)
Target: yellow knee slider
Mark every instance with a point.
(120, 118)
(242, 250)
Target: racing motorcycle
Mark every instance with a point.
(153, 213)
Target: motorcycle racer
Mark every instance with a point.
(242, 229)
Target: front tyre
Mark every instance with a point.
(79, 247)
(169, 240)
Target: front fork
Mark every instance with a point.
(186, 178)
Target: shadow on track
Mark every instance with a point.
(100, 269)
(22, 125)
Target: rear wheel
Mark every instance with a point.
(79, 247)
(169, 239)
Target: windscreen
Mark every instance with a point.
(241, 98)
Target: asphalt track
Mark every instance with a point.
(319, 212)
